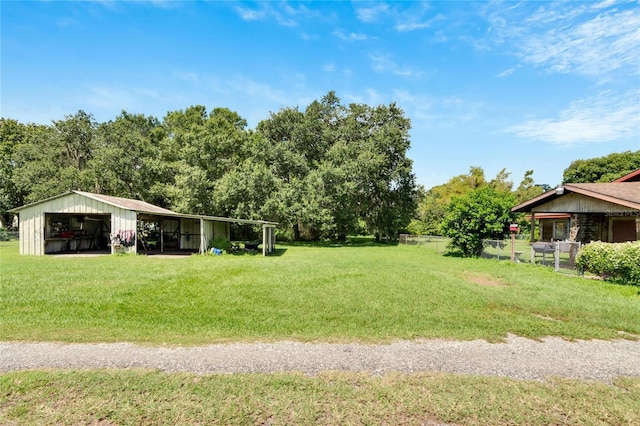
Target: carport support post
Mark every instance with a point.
(273, 239)
(264, 240)
(161, 237)
(203, 243)
(268, 239)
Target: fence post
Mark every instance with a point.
(533, 254)
(556, 256)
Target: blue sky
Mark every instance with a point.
(516, 85)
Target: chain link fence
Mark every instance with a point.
(433, 242)
(561, 255)
(8, 235)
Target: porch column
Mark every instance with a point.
(533, 227)
(161, 237)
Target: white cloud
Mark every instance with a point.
(374, 98)
(350, 36)
(508, 72)
(595, 47)
(371, 14)
(603, 118)
(188, 76)
(251, 14)
(411, 18)
(368, 96)
(117, 98)
(588, 39)
(383, 63)
(297, 93)
(603, 4)
(283, 13)
(109, 98)
(329, 68)
(412, 24)
(429, 111)
(165, 4)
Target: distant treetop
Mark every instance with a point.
(602, 169)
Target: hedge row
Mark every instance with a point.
(618, 262)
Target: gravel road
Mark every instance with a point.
(518, 357)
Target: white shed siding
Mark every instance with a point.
(195, 231)
(123, 221)
(32, 231)
(208, 231)
(220, 230)
(190, 230)
(32, 219)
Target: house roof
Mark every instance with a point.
(626, 194)
(631, 177)
(143, 207)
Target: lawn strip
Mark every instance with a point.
(369, 293)
(138, 397)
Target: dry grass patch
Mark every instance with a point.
(483, 279)
(546, 318)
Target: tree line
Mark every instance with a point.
(470, 208)
(323, 172)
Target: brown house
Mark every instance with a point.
(588, 211)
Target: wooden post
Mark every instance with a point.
(513, 228)
(513, 247)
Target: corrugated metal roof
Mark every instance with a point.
(144, 207)
(127, 203)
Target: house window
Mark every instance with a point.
(559, 229)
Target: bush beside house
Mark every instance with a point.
(618, 262)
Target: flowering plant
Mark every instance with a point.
(123, 239)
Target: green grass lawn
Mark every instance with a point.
(354, 292)
(150, 398)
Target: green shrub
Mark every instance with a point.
(6, 235)
(614, 261)
(220, 243)
(484, 214)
